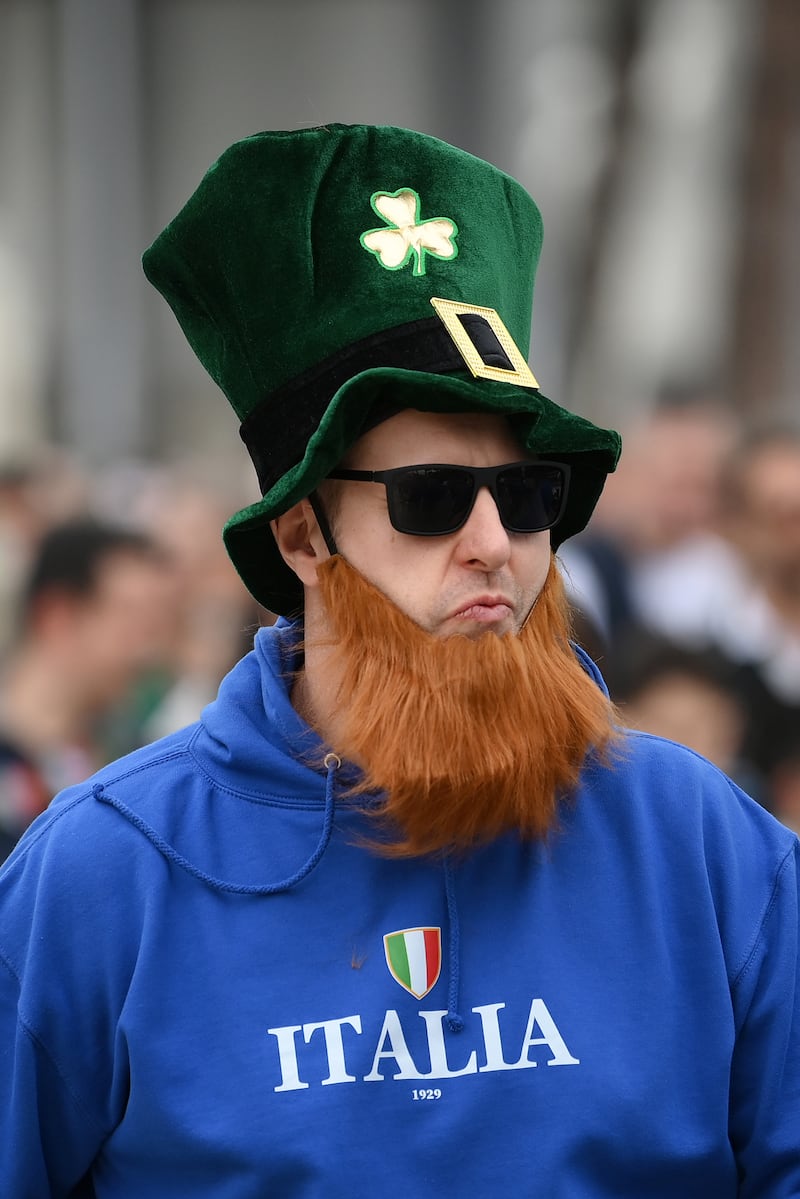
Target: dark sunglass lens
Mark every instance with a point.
(429, 500)
(530, 497)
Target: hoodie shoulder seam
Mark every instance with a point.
(39, 1046)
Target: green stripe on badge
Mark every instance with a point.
(396, 944)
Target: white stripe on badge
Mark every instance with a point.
(417, 962)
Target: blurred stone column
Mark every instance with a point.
(26, 233)
(766, 357)
(662, 307)
(99, 199)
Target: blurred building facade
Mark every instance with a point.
(661, 139)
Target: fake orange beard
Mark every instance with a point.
(467, 738)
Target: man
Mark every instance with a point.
(404, 913)
(94, 619)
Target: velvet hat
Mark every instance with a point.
(327, 276)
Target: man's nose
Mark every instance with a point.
(484, 542)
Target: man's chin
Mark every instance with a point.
(476, 629)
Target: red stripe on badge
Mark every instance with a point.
(432, 952)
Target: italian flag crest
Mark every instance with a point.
(414, 958)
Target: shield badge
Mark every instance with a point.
(414, 958)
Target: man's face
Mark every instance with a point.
(479, 579)
(388, 682)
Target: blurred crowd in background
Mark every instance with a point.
(121, 612)
(687, 585)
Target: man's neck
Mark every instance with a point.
(315, 691)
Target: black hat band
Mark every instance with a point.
(278, 430)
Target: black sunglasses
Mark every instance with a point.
(433, 499)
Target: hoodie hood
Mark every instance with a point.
(243, 800)
(254, 811)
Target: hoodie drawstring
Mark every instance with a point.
(454, 1021)
(332, 764)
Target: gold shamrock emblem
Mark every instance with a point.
(407, 235)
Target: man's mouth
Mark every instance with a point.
(485, 609)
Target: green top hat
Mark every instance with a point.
(326, 276)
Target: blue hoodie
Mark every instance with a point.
(208, 988)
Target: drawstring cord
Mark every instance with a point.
(454, 1021)
(332, 763)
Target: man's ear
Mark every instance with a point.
(300, 541)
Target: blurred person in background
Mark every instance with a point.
(657, 523)
(785, 781)
(758, 618)
(699, 543)
(691, 696)
(218, 616)
(37, 490)
(96, 611)
(743, 597)
(181, 505)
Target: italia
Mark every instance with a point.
(392, 1058)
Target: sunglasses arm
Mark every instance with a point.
(322, 520)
